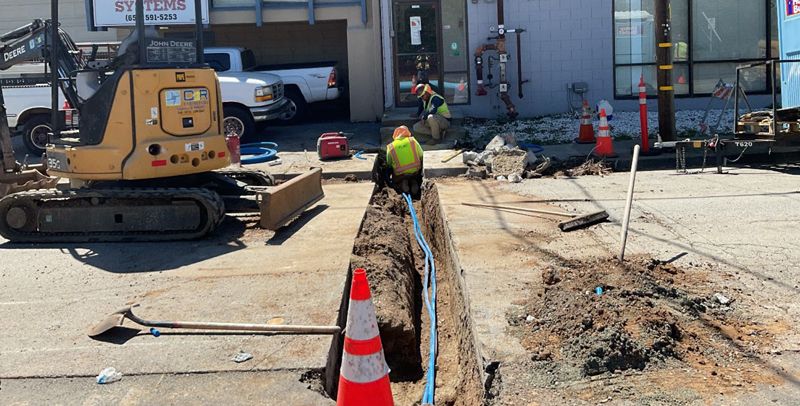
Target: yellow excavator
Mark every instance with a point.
(149, 161)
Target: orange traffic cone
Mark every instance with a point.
(604, 147)
(364, 377)
(586, 133)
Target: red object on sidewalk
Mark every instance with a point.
(234, 148)
(643, 115)
(332, 146)
(364, 376)
(586, 133)
(604, 147)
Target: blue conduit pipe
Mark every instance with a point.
(358, 155)
(430, 303)
(258, 152)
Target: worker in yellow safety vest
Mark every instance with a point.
(433, 113)
(404, 161)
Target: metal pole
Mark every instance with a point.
(627, 215)
(140, 32)
(198, 29)
(666, 92)
(736, 104)
(774, 72)
(52, 57)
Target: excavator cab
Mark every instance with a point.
(149, 161)
(154, 112)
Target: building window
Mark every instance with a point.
(710, 38)
(455, 53)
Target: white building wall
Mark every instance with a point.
(566, 41)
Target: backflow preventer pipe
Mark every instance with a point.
(500, 47)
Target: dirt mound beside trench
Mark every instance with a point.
(603, 316)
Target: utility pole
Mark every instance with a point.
(666, 92)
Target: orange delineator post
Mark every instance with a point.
(643, 115)
(604, 147)
(586, 133)
(364, 376)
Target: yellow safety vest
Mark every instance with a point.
(443, 110)
(405, 156)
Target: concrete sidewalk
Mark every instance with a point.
(50, 295)
(295, 163)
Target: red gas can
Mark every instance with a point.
(332, 146)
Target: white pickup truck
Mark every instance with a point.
(27, 97)
(248, 98)
(303, 83)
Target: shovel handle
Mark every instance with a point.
(267, 328)
(493, 206)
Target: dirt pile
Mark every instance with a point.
(603, 316)
(383, 248)
(509, 161)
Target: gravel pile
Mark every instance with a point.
(563, 128)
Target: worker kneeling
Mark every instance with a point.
(433, 113)
(404, 161)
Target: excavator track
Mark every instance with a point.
(109, 215)
(250, 177)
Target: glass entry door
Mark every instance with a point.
(416, 47)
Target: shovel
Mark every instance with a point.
(576, 221)
(115, 320)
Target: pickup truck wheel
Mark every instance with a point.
(238, 120)
(297, 106)
(35, 134)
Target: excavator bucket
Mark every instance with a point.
(21, 181)
(281, 204)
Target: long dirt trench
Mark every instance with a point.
(386, 247)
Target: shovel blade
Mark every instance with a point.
(112, 320)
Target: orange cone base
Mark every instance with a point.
(604, 148)
(586, 135)
(376, 393)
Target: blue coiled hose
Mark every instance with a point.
(258, 152)
(430, 303)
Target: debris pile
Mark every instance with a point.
(501, 158)
(603, 316)
(589, 167)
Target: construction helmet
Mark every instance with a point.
(401, 132)
(422, 88)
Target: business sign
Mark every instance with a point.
(792, 8)
(118, 13)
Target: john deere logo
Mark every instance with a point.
(180, 76)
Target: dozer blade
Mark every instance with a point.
(25, 180)
(281, 204)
